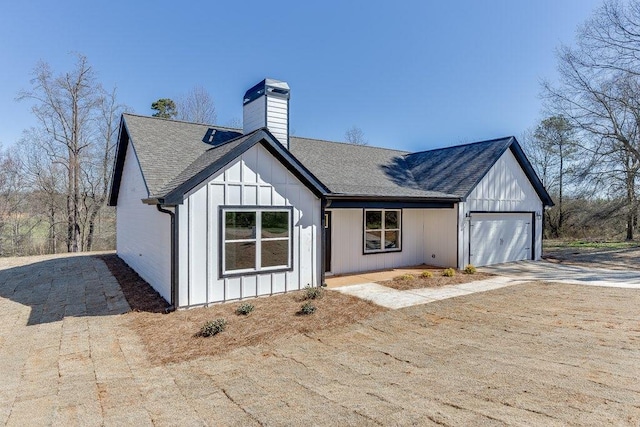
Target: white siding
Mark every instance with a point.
(143, 237)
(277, 119)
(254, 115)
(505, 188)
(426, 239)
(271, 112)
(255, 178)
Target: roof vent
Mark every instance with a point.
(267, 105)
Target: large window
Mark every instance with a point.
(255, 239)
(382, 230)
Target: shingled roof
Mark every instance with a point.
(173, 155)
(357, 170)
(166, 147)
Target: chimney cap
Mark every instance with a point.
(270, 87)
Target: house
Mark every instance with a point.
(208, 214)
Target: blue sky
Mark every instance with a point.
(411, 74)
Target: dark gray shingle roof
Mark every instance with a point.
(166, 147)
(359, 170)
(172, 153)
(456, 170)
(213, 154)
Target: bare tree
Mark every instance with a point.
(98, 167)
(197, 106)
(11, 204)
(555, 137)
(45, 181)
(78, 121)
(355, 135)
(599, 94)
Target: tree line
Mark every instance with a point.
(587, 150)
(54, 182)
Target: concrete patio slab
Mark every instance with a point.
(384, 296)
(570, 274)
(394, 299)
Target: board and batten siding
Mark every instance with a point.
(143, 236)
(505, 188)
(255, 178)
(426, 239)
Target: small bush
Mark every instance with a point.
(244, 308)
(307, 308)
(449, 272)
(404, 278)
(213, 327)
(426, 274)
(470, 269)
(311, 292)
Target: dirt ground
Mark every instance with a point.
(530, 354)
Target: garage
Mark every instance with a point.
(500, 237)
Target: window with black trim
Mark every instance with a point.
(255, 239)
(382, 230)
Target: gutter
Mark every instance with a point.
(174, 282)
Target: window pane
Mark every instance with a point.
(391, 219)
(240, 255)
(240, 225)
(373, 220)
(275, 252)
(373, 240)
(391, 240)
(275, 224)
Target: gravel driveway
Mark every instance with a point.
(530, 354)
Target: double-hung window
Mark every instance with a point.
(382, 230)
(255, 239)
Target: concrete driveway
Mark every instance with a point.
(529, 354)
(570, 274)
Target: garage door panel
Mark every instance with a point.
(499, 237)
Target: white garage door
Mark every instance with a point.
(500, 237)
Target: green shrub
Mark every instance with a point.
(311, 292)
(470, 269)
(307, 308)
(449, 272)
(213, 327)
(404, 278)
(244, 308)
(426, 274)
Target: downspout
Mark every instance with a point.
(323, 243)
(174, 286)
